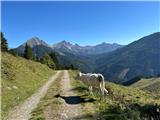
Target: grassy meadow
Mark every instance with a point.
(20, 79)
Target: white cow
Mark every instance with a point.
(93, 80)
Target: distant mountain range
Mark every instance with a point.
(67, 47)
(76, 49)
(118, 63)
(81, 57)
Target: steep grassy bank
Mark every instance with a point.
(122, 103)
(20, 79)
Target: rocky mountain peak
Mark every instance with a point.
(34, 41)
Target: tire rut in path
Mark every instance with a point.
(22, 112)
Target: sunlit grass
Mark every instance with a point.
(20, 79)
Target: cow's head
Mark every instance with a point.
(79, 75)
(100, 77)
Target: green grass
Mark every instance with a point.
(128, 103)
(20, 79)
(49, 100)
(122, 103)
(131, 94)
(151, 85)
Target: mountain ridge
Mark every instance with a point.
(65, 46)
(87, 49)
(139, 58)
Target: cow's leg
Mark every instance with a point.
(90, 90)
(102, 91)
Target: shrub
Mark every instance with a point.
(46, 59)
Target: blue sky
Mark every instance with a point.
(85, 23)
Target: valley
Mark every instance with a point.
(138, 59)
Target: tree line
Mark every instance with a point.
(49, 59)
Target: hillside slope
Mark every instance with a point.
(83, 63)
(140, 58)
(121, 103)
(20, 79)
(151, 85)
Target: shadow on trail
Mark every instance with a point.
(75, 99)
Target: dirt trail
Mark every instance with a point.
(70, 110)
(22, 112)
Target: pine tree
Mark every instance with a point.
(4, 44)
(28, 53)
(53, 56)
(71, 67)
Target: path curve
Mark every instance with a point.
(22, 112)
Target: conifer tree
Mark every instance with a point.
(28, 53)
(4, 44)
(53, 56)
